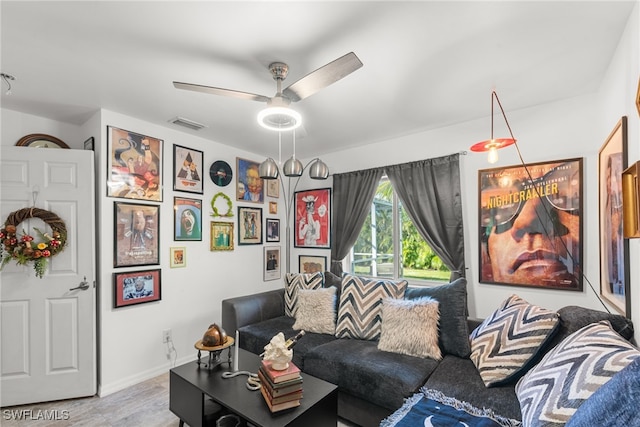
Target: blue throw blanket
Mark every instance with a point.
(431, 408)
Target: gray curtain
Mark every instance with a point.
(430, 194)
(352, 197)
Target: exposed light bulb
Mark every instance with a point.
(493, 155)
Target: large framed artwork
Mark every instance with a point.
(136, 287)
(250, 187)
(614, 249)
(136, 234)
(313, 218)
(134, 169)
(249, 226)
(187, 169)
(187, 224)
(530, 225)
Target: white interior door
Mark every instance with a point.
(48, 331)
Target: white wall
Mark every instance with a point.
(130, 348)
(571, 128)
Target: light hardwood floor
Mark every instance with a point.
(145, 404)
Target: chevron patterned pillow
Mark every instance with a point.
(295, 281)
(505, 344)
(569, 374)
(360, 309)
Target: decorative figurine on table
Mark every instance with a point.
(215, 340)
(278, 353)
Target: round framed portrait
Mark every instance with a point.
(40, 140)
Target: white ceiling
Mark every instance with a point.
(427, 64)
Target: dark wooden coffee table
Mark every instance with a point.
(190, 385)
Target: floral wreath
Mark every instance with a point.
(215, 209)
(25, 249)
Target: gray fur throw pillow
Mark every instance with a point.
(410, 327)
(316, 311)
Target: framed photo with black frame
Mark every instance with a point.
(134, 165)
(187, 224)
(312, 227)
(615, 282)
(249, 226)
(530, 225)
(309, 264)
(273, 230)
(136, 234)
(136, 287)
(187, 169)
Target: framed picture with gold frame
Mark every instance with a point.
(221, 236)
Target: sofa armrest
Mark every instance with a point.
(249, 309)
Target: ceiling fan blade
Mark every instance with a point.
(219, 91)
(323, 77)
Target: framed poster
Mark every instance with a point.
(221, 236)
(271, 262)
(273, 230)
(187, 221)
(136, 234)
(136, 287)
(134, 168)
(273, 208)
(312, 218)
(614, 249)
(248, 181)
(187, 169)
(530, 224)
(249, 226)
(89, 143)
(177, 257)
(308, 264)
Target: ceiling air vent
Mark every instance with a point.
(181, 121)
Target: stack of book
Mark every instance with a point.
(280, 389)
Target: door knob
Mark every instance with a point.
(83, 286)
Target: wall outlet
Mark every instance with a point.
(166, 335)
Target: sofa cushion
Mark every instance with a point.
(573, 318)
(316, 311)
(454, 332)
(458, 378)
(295, 281)
(254, 337)
(505, 344)
(614, 404)
(359, 312)
(359, 369)
(410, 327)
(571, 372)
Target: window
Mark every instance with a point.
(390, 246)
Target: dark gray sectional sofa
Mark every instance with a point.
(372, 383)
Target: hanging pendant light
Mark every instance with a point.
(494, 144)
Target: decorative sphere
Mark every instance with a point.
(215, 336)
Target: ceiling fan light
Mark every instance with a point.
(268, 169)
(292, 167)
(319, 170)
(279, 118)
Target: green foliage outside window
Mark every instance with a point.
(374, 249)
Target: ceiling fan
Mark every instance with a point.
(278, 116)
